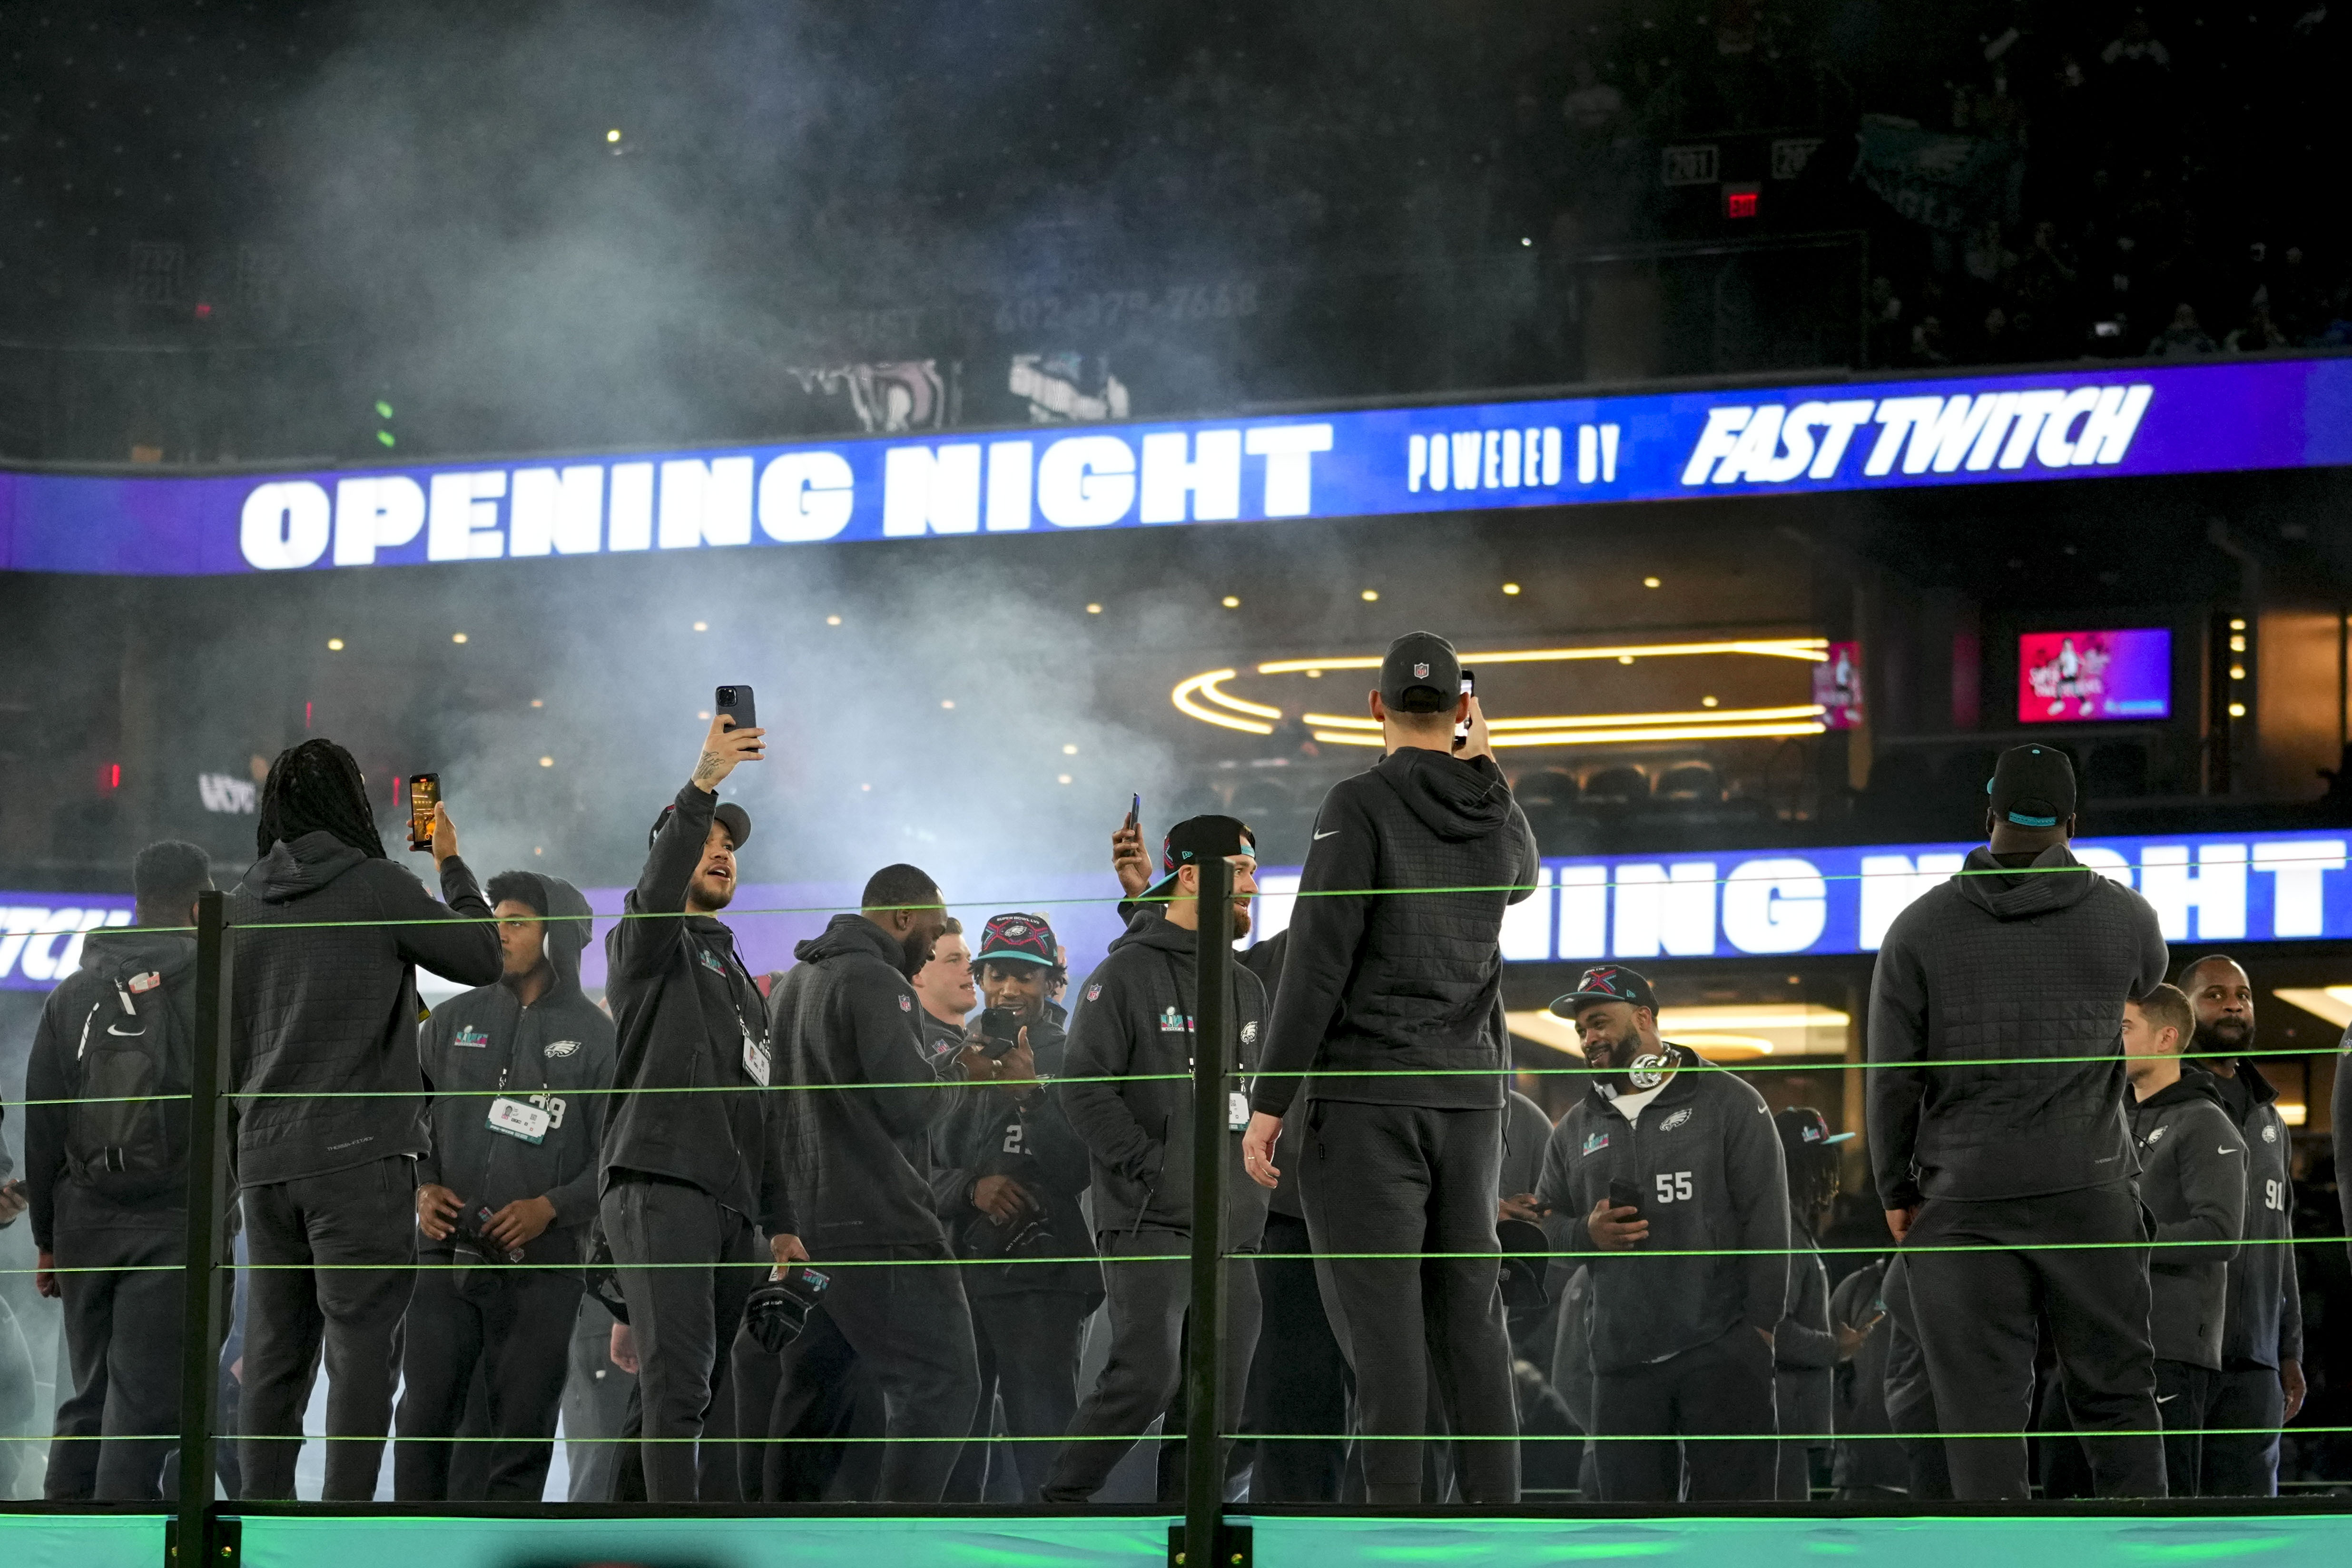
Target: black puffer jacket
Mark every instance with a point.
(1388, 980)
(330, 1006)
(555, 1054)
(1134, 1024)
(86, 1002)
(1978, 983)
(688, 1013)
(860, 1157)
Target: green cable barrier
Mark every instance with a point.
(1816, 1064)
(2099, 1433)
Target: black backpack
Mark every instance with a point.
(120, 1139)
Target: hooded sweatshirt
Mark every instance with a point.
(1706, 1166)
(87, 1002)
(2193, 1182)
(1992, 967)
(329, 1009)
(2263, 1325)
(555, 1054)
(689, 1016)
(841, 1018)
(1386, 981)
(1135, 1017)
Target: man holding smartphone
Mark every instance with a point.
(1664, 1154)
(689, 1178)
(1388, 993)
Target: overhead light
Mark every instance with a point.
(1813, 649)
(1371, 595)
(2332, 1003)
(1649, 582)
(335, 645)
(1206, 685)
(2237, 672)
(1674, 733)
(612, 136)
(1230, 602)
(703, 625)
(1624, 658)
(2237, 625)
(833, 620)
(547, 762)
(1064, 778)
(1706, 702)
(1069, 751)
(1511, 587)
(2292, 1114)
(947, 702)
(1094, 609)
(1503, 726)
(456, 636)
(539, 702)
(2237, 710)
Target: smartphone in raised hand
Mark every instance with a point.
(423, 799)
(1134, 813)
(735, 703)
(1469, 689)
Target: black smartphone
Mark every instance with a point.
(735, 703)
(1135, 811)
(1624, 1195)
(424, 795)
(1469, 689)
(1000, 1032)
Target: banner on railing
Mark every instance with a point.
(2124, 420)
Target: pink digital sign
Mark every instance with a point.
(2071, 677)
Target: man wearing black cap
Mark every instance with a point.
(518, 1071)
(1996, 1122)
(1129, 1095)
(2261, 1386)
(1663, 1154)
(857, 1127)
(1009, 1174)
(1388, 993)
(689, 1178)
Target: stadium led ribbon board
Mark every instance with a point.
(2207, 417)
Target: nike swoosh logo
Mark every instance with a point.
(2225, 1149)
(1332, 834)
(2166, 1398)
(126, 1033)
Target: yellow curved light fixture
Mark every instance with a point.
(1206, 685)
(1224, 709)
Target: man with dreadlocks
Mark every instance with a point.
(325, 1064)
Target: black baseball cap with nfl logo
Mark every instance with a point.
(1607, 983)
(1422, 673)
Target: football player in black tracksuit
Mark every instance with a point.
(108, 1181)
(1134, 1025)
(2192, 1181)
(858, 1123)
(1663, 1154)
(1387, 996)
(1997, 1129)
(2260, 1388)
(513, 1136)
(1008, 1175)
(688, 1179)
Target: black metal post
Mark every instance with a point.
(204, 1311)
(1212, 1054)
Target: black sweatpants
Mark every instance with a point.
(122, 1341)
(1300, 1380)
(519, 1334)
(682, 1318)
(1721, 1391)
(909, 1328)
(1979, 1316)
(1028, 1351)
(1148, 1301)
(2244, 1462)
(2184, 1403)
(1404, 1180)
(595, 1404)
(365, 1215)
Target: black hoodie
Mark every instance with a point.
(1134, 1024)
(85, 1001)
(1397, 982)
(555, 1054)
(1988, 967)
(997, 1131)
(841, 1018)
(2192, 1182)
(688, 1015)
(330, 1006)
